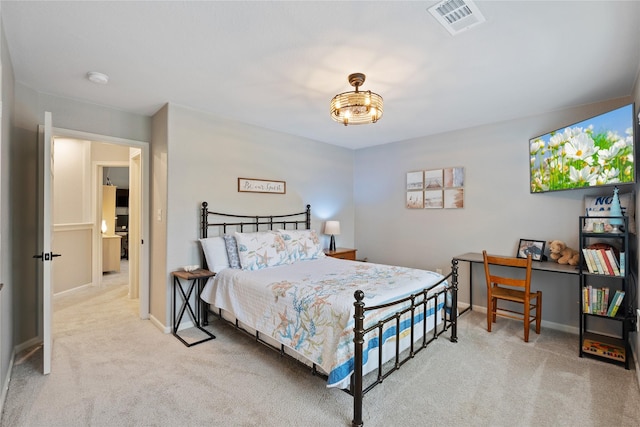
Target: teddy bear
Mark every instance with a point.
(559, 252)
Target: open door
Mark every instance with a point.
(45, 238)
(135, 235)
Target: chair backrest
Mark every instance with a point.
(507, 262)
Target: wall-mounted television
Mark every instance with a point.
(595, 152)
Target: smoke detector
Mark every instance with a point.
(99, 78)
(457, 15)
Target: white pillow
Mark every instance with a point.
(261, 249)
(302, 244)
(601, 206)
(215, 252)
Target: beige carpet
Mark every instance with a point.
(111, 369)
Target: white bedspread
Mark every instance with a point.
(308, 306)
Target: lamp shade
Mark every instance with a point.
(332, 228)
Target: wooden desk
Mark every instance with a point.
(111, 253)
(550, 266)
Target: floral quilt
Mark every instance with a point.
(308, 305)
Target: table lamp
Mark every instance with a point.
(332, 228)
(615, 213)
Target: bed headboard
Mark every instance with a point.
(250, 223)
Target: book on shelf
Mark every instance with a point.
(588, 260)
(601, 261)
(605, 260)
(616, 302)
(603, 349)
(597, 301)
(622, 264)
(613, 261)
(596, 261)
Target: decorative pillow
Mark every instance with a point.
(302, 244)
(232, 251)
(215, 252)
(261, 249)
(601, 206)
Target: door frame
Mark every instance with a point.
(144, 296)
(97, 169)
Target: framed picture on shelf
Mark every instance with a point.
(533, 247)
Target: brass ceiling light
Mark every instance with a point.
(356, 108)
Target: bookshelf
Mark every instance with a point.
(606, 290)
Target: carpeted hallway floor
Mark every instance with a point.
(112, 369)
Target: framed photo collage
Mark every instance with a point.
(436, 189)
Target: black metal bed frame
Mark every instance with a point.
(418, 303)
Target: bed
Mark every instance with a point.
(354, 323)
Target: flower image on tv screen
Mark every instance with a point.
(595, 152)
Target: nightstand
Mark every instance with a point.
(342, 253)
(192, 280)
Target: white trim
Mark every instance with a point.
(73, 227)
(158, 324)
(551, 325)
(27, 344)
(5, 386)
(57, 294)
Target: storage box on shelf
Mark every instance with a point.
(605, 285)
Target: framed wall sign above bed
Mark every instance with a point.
(252, 185)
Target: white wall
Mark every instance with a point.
(6, 264)
(72, 227)
(206, 156)
(498, 211)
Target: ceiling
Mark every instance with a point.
(277, 64)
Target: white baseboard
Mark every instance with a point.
(77, 288)
(5, 386)
(167, 329)
(158, 324)
(27, 344)
(551, 325)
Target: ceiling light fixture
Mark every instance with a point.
(97, 77)
(356, 108)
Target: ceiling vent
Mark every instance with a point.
(457, 15)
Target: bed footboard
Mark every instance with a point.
(418, 302)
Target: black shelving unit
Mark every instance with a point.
(601, 336)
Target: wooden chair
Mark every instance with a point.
(500, 287)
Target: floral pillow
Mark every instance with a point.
(232, 251)
(302, 244)
(261, 249)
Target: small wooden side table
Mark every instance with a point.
(192, 280)
(342, 253)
